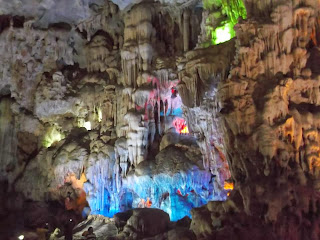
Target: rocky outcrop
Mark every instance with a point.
(141, 223)
(103, 227)
(200, 74)
(268, 114)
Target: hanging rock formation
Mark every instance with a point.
(92, 118)
(268, 116)
(110, 106)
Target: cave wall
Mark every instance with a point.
(268, 114)
(93, 101)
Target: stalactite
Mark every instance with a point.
(107, 91)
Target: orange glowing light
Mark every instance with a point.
(148, 203)
(315, 32)
(228, 186)
(145, 204)
(185, 130)
(180, 125)
(80, 202)
(76, 183)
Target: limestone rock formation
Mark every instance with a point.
(268, 114)
(89, 103)
(110, 106)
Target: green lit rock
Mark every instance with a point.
(220, 27)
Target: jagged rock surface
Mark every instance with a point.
(91, 99)
(268, 110)
(89, 104)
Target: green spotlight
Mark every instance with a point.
(222, 34)
(232, 9)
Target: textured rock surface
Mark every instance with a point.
(47, 12)
(103, 227)
(91, 108)
(143, 223)
(106, 104)
(268, 108)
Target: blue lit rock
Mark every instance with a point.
(71, 63)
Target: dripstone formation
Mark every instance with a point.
(149, 110)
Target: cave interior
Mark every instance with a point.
(154, 120)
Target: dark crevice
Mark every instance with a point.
(27, 161)
(262, 88)
(60, 26)
(108, 38)
(304, 107)
(5, 20)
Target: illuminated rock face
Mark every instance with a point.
(150, 108)
(268, 108)
(110, 96)
(220, 17)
